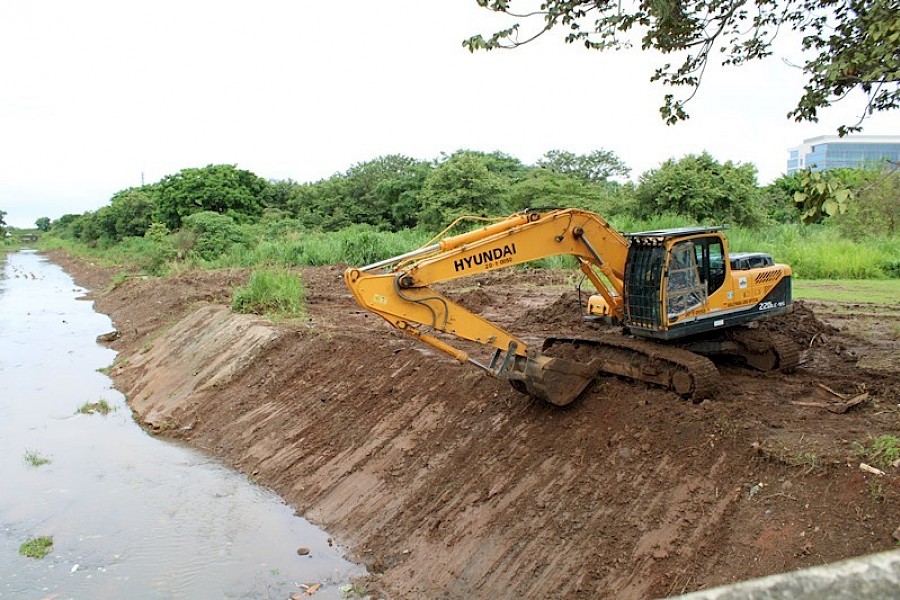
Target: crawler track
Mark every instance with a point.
(672, 368)
(765, 350)
(788, 353)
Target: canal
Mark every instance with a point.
(129, 515)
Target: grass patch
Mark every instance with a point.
(101, 406)
(876, 491)
(874, 291)
(352, 591)
(805, 459)
(271, 291)
(884, 451)
(38, 547)
(118, 279)
(35, 459)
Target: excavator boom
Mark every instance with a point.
(399, 290)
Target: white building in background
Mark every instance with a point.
(833, 152)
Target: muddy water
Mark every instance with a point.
(130, 515)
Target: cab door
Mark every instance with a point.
(684, 291)
(697, 269)
(711, 262)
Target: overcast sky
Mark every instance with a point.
(96, 95)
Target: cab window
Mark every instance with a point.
(684, 291)
(710, 255)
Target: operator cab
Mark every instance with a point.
(684, 282)
(670, 274)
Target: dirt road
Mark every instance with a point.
(446, 483)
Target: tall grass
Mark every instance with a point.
(353, 246)
(819, 252)
(814, 252)
(273, 291)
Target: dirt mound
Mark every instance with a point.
(475, 300)
(565, 310)
(448, 483)
(802, 325)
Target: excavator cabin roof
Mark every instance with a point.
(662, 235)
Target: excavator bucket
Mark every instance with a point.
(559, 381)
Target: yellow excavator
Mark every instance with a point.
(678, 294)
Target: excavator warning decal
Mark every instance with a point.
(495, 257)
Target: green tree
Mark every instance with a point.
(97, 226)
(43, 223)
(320, 205)
(777, 199)
(276, 194)
(160, 248)
(543, 188)
(384, 192)
(402, 194)
(498, 163)
(300, 204)
(701, 188)
(131, 211)
(597, 167)
(823, 194)
(217, 188)
(848, 44)
(874, 207)
(63, 226)
(2, 223)
(463, 185)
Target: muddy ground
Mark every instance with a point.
(448, 484)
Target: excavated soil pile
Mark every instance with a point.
(801, 325)
(447, 483)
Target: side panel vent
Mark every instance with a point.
(767, 276)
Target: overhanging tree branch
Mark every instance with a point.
(856, 42)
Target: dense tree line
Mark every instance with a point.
(393, 193)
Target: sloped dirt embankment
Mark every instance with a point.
(446, 483)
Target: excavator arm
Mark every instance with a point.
(399, 290)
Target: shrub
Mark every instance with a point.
(215, 233)
(156, 248)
